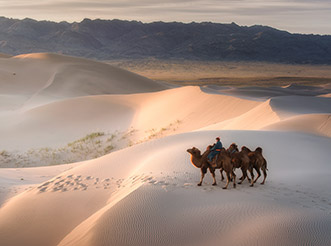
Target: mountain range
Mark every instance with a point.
(117, 39)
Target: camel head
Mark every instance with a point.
(196, 157)
(233, 148)
(194, 151)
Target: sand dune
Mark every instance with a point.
(190, 106)
(313, 123)
(50, 77)
(156, 184)
(93, 113)
(207, 220)
(297, 113)
(294, 105)
(37, 80)
(255, 119)
(148, 114)
(145, 192)
(15, 181)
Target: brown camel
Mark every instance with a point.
(232, 149)
(257, 162)
(201, 161)
(240, 160)
(223, 162)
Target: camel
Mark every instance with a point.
(257, 161)
(240, 160)
(233, 148)
(223, 162)
(201, 161)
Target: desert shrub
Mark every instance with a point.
(108, 149)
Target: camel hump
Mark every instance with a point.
(259, 149)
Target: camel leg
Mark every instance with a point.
(249, 180)
(252, 175)
(222, 174)
(227, 180)
(234, 179)
(212, 171)
(264, 175)
(258, 174)
(231, 178)
(250, 169)
(243, 177)
(202, 176)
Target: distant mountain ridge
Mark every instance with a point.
(113, 39)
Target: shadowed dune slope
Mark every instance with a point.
(313, 123)
(293, 105)
(297, 113)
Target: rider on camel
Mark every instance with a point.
(216, 149)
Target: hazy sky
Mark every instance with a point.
(299, 16)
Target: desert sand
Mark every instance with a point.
(125, 177)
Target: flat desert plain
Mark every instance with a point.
(230, 73)
(92, 154)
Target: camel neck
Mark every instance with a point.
(196, 161)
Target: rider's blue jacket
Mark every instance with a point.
(217, 147)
